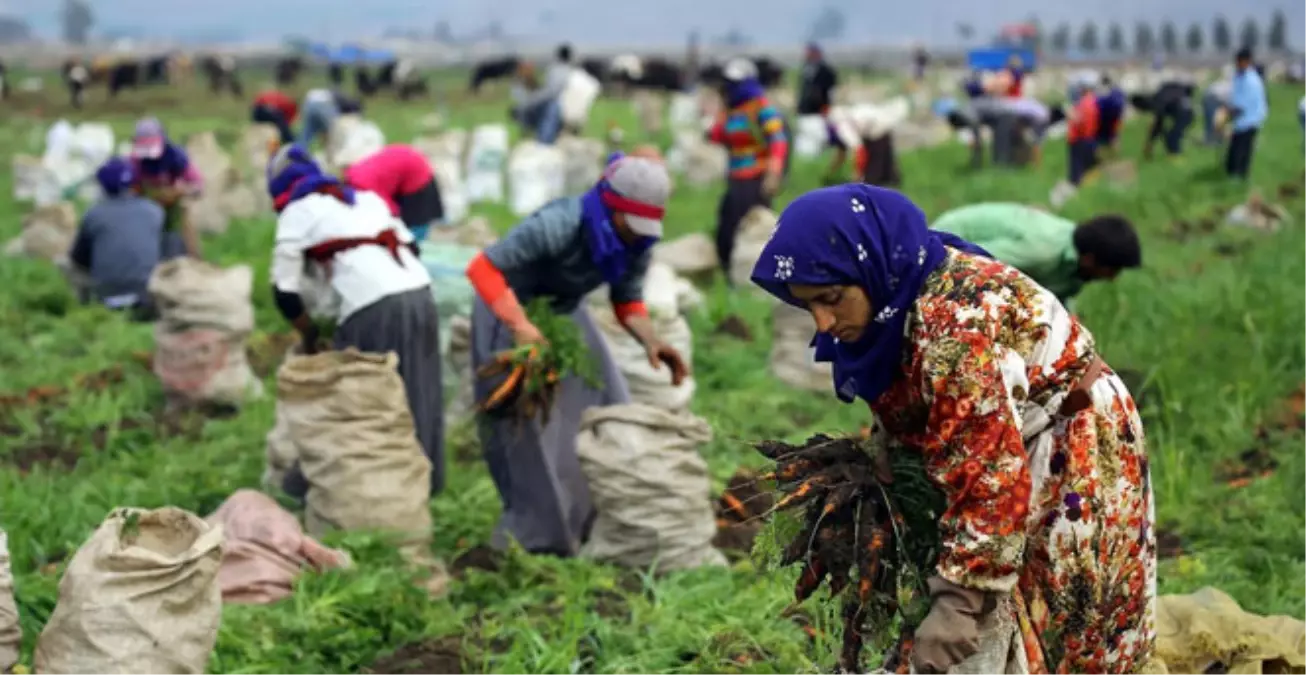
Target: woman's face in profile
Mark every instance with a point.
(840, 311)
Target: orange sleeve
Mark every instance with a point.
(627, 310)
(488, 281)
(494, 290)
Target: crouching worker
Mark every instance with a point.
(275, 108)
(329, 234)
(1057, 253)
(164, 173)
(1172, 113)
(401, 176)
(562, 252)
(1083, 123)
(119, 243)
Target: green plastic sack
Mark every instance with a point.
(453, 293)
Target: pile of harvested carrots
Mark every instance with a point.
(859, 537)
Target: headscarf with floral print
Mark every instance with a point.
(860, 235)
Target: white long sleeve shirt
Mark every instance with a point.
(356, 277)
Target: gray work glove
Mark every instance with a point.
(950, 632)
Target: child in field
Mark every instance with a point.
(1084, 122)
(164, 173)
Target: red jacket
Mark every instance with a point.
(279, 102)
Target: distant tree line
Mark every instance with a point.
(1168, 39)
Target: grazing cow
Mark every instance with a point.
(288, 70)
(156, 70)
(385, 75)
(409, 82)
(596, 67)
(124, 75)
(492, 69)
(363, 81)
(336, 74)
(769, 73)
(654, 74)
(222, 74)
(76, 76)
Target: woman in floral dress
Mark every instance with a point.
(1048, 560)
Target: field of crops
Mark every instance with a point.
(1214, 322)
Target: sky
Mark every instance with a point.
(636, 23)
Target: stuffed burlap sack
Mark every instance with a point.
(793, 360)
(138, 598)
(347, 414)
(650, 487)
(205, 317)
(11, 632)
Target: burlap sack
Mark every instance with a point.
(459, 380)
(140, 596)
(349, 420)
(792, 356)
(47, 234)
(256, 144)
(693, 255)
(648, 384)
(281, 453)
(754, 231)
(265, 549)
(650, 487)
(11, 632)
(205, 317)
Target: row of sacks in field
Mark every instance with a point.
(145, 594)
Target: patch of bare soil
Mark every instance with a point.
(1168, 543)
(437, 655)
(1251, 464)
(61, 452)
(735, 327)
(481, 558)
(740, 511)
(44, 394)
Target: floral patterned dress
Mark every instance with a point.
(1056, 510)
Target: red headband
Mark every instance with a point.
(621, 204)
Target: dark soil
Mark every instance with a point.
(481, 558)
(1229, 250)
(1252, 463)
(1290, 190)
(60, 452)
(735, 327)
(740, 511)
(610, 605)
(40, 395)
(1168, 543)
(438, 655)
(1183, 230)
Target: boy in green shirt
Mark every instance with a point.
(1057, 253)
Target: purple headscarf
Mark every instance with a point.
(862, 235)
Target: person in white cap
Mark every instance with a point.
(562, 252)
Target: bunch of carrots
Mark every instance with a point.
(868, 539)
(531, 374)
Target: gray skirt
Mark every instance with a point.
(408, 324)
(546, 500)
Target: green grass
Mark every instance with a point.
(1221, 339)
